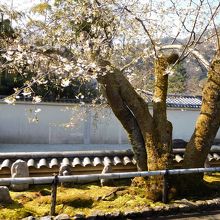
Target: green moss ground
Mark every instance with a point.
(86, 199)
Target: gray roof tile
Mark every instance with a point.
(178, 158)
(178, 101)
(216, 156)
(173, 100)
(97, 161)
(65, 161)
(117, 161)
(53, 163)
(89, 162)
(76, 162)
(42, 163)
(31, 163)
(6, 164)
(106, 161)
(127, 160)
(86, 162)
(184, 101)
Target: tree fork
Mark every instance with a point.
(136, 104)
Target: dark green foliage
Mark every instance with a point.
(8, 82)
(177, 81)
(78, 90)
(6, 29)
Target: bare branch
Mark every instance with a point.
(146, 31)
(182, 21)
(130, 63)
(206, 27)
(216, 31)
(192, 51)
(188, 44)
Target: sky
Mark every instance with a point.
(20, 4)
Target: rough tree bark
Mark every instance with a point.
(150, 135)
(125, 103)
(207, 124)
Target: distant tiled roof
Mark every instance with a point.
(178, 101)
(184, 101)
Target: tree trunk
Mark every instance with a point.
(162, 127)
(208, 121)
(150, 136)
(206, 127)
(114, 85)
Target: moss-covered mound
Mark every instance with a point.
(85, 199)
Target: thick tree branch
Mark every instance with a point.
(163, 127)
(126, 117)
(160, 91)
(161, 86)
(131, 98)
(208, 121)
(130, 124)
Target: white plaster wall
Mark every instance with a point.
(86, 125)
(92, 126)
(16, 124)
(183, 122)
(105, 128)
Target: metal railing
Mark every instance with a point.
(54, 180)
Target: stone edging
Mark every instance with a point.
(177, 207)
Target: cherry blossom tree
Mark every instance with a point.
(96, 41)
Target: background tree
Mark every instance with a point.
(177, 81)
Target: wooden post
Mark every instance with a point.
(53, 195)
(165, 187)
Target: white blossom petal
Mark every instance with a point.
(65, 82)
